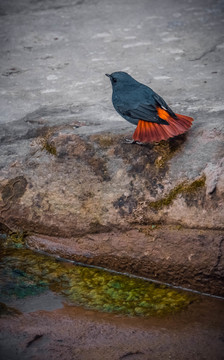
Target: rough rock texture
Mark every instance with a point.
(186, 257)
(64, 168)
(62, 183)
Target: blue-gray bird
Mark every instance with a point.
(141, 106)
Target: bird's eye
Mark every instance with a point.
(114, 80)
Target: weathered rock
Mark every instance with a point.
(184, 257)
(65, 170)
(64, 183)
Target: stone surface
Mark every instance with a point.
(62, 183)
(183, 257)
(73, 333)
(65, 170)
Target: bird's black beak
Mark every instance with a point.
(108, 75)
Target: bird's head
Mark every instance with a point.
(119, 79)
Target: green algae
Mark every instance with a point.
(48, 145)
(183, 188)
(15, 240)
(28, 273)
(50, 148)
(167, 149)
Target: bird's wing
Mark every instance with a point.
(161, 103)
(146, 112)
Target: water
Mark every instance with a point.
(25, 274)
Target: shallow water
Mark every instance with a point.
(25, 274)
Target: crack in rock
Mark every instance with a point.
(212, 49)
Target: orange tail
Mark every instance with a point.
(149, 132)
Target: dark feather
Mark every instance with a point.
(163, 105)
(145, 112)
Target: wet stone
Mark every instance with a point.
(26, 273)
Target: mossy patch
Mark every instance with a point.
(47, 143)
(167, 149)
(27, 273)
(105, 140)
(15, 240)
(49, 147)
(182, 188)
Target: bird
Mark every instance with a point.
(141, 106)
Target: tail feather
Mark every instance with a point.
(149, 132)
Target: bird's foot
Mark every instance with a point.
(131, 141)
